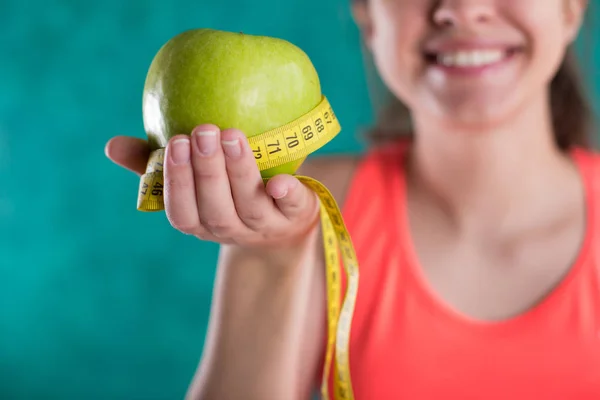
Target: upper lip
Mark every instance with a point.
(445, 45)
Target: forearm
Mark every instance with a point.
(256, 344)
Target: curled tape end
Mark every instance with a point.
(150, 206)
(150, 193)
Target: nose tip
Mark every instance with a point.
(456, 12)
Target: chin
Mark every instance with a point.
(472, 111)
(475, 118)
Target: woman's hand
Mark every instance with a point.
(214, 190)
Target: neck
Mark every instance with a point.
(478, 177)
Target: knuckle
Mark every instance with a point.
(209, 169)
(218, 226)
(207, 174)
(252, 216)
(205, 236)
(174, 185)
(182, 226)
(294, 207)
(240, 174)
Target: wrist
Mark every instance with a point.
(276, 257)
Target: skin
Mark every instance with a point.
(482, 198)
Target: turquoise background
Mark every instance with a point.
(98, 300)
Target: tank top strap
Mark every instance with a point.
(372, 179)
(588, 163)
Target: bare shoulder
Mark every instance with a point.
(334, 171)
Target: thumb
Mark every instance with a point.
(128, 152)
(294, 199)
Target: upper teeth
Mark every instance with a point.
(470, 58)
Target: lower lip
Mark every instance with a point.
(474, 70)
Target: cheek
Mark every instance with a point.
(396, 50)
(547, 46)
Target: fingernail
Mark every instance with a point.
(280, 193)
(206, 141)
(232, 148)
(180, 151)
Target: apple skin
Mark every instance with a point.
(232, 80)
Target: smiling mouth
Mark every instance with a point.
(475, 58)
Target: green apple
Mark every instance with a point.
(233, 80)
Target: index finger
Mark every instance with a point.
(128, 152)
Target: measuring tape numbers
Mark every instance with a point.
(271, 149)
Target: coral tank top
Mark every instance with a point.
(406, 344)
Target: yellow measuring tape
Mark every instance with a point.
(292, 142)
